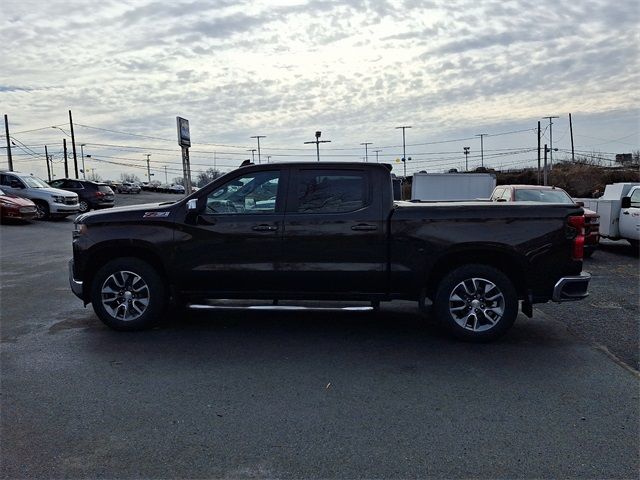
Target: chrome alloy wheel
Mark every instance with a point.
(125, 295)
(83, 206)
(476, 304)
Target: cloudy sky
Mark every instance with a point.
(354, 69)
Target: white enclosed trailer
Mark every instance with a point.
(452, 186)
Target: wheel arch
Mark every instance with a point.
(99, 255)
(501, 258)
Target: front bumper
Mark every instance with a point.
(76, 285)
(60, 209)
(568, 289)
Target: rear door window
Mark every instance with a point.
(321, 191)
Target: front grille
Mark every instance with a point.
(70, 200)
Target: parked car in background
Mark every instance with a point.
(549, 194)
(13, 207)
(129, 187)
(92, 195)
(175, 188)
(50, 202)
(619, 210)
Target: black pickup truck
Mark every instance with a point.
(328, 231)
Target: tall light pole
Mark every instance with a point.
(366, 152)
(377, 152)
(466, 158)
(550, 141)
(84, 174)
(253, 152)
(404, 148)
(258, 137)
(481, 135)
(317, 141)
(148, 168)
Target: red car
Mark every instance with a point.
(16, 208)
(540, 193)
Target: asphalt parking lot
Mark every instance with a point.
(280, 394)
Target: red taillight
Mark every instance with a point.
(577, 222)
(100, 194)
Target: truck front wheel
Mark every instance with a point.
(128, 294)
(476, 302)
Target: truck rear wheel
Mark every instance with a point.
(128, 294)
(476, 302)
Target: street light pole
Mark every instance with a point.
(466, 158)
(377, 152)
(317, 141)
(258, 137)
(253, 151)
(366, 153)
(84, 173)
(550, 141)
(404, 148)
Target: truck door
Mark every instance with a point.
(334, 232)
(234, 242)
(630, 217)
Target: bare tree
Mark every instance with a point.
(129, 177)
(94, 177)
(207, 176)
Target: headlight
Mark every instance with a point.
(57, 198)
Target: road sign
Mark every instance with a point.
(184, 137)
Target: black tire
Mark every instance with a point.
(130, 293)
(470, 310)
(42, 210)
(83, 206)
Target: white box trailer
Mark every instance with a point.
(609, 207)
(435, 187)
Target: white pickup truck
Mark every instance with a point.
(619, 210)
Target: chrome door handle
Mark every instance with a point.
(264, 228)
(364, 227)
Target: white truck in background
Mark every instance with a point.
(619, 210)
(442, 187)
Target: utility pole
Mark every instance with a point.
(466, 158)
(538, 152)
(366, 153)
(166, 179)
(149, 168)
(377, 152)
(66, 161)
(481, 135)
(258, 137)
(73, 144)
(268, 158)
(317, 141)
(550, 141)
(404, 149)
(573, 156)
(46, 154)
(6, 131)
(545, 164)
(253, 151)
(84, 172)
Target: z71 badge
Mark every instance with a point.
(155, 214)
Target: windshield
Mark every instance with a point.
(34, 182)
(540, 195)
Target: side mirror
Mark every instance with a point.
(626, 202)
(580, 204)
(501, 200)
(192, 211)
